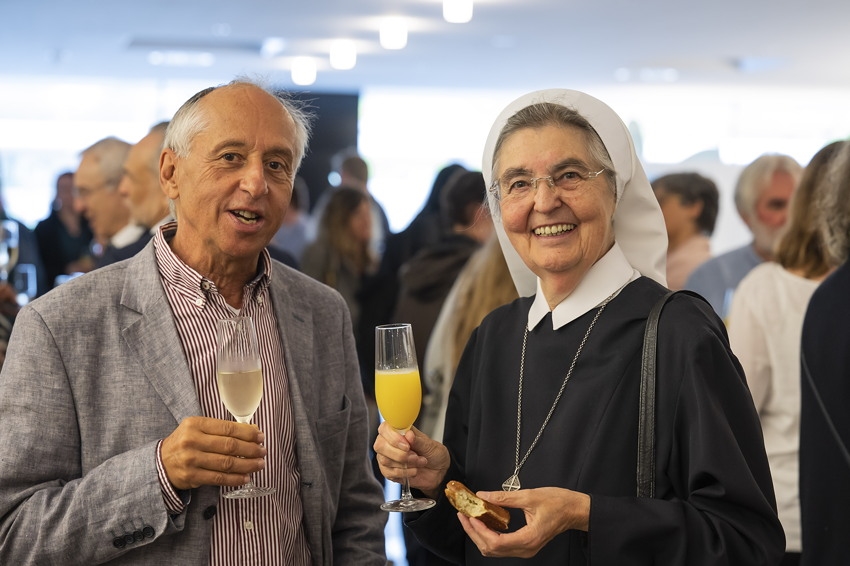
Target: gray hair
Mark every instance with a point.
(190, 119)
(834, 207)
(757, 174)
(545, 114)
(109, 154)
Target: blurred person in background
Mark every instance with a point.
(341, 256)
(97, 198)
(8, 311)
(825, 390)
(380, 291)
(762, 194)
(64, 237)
(689, 204)
(427, 277)
(142, 193)
(292, 236)
(483, 284)
(765, 325)
(353, 174)
(28, 261)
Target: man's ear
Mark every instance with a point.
(168, 173)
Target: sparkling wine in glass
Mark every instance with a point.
(239, 375)
(8, 247)
(399, 395)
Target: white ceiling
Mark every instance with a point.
(509, 44)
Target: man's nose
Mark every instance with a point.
(254, 179)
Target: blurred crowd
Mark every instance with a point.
(781, 294)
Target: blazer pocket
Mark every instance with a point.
(332, 432)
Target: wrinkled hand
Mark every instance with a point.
(549, 511)
(205, 451)
(427, 460)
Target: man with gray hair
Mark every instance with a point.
(124, 452)
(142, 194)
(762, 194)
(97, 198)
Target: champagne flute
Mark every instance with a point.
(239, 376)
(8, 247)
(399, 395)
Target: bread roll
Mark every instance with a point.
(471, 505)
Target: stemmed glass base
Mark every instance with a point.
(408, 505)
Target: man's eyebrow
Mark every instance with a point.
(229, 143)
(281, 151)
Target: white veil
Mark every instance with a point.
(638, 223)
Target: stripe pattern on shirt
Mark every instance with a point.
(265, 530)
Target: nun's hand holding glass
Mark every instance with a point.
(425, 460)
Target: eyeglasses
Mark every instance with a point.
(566, 180)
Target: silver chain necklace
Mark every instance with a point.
(512, 483)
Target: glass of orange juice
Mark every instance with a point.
(399, 395)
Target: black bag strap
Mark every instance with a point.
(819, 399)
(646, 422)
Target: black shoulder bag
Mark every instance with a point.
(646, 423)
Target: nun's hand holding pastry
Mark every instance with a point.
(549, 511)
(426, 459)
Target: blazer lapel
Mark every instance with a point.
(152, 335)
(295, 323)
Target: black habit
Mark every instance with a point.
(714, 497)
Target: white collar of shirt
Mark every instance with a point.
(126, 235)
(608, 275)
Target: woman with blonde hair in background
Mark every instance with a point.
(765, 327)
(484, 284)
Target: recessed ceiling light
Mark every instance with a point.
(457, 11)
(343, 55)
(303, 71)
(393, 32)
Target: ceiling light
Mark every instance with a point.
(181, 59)
(343, 54)
(457, 11)
(272, 47)
(303, 71)
(393, 32)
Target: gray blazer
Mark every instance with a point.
(95, 375)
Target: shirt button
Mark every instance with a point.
(249, 525)
(199, 302)
(205, 285)
(260, 301)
